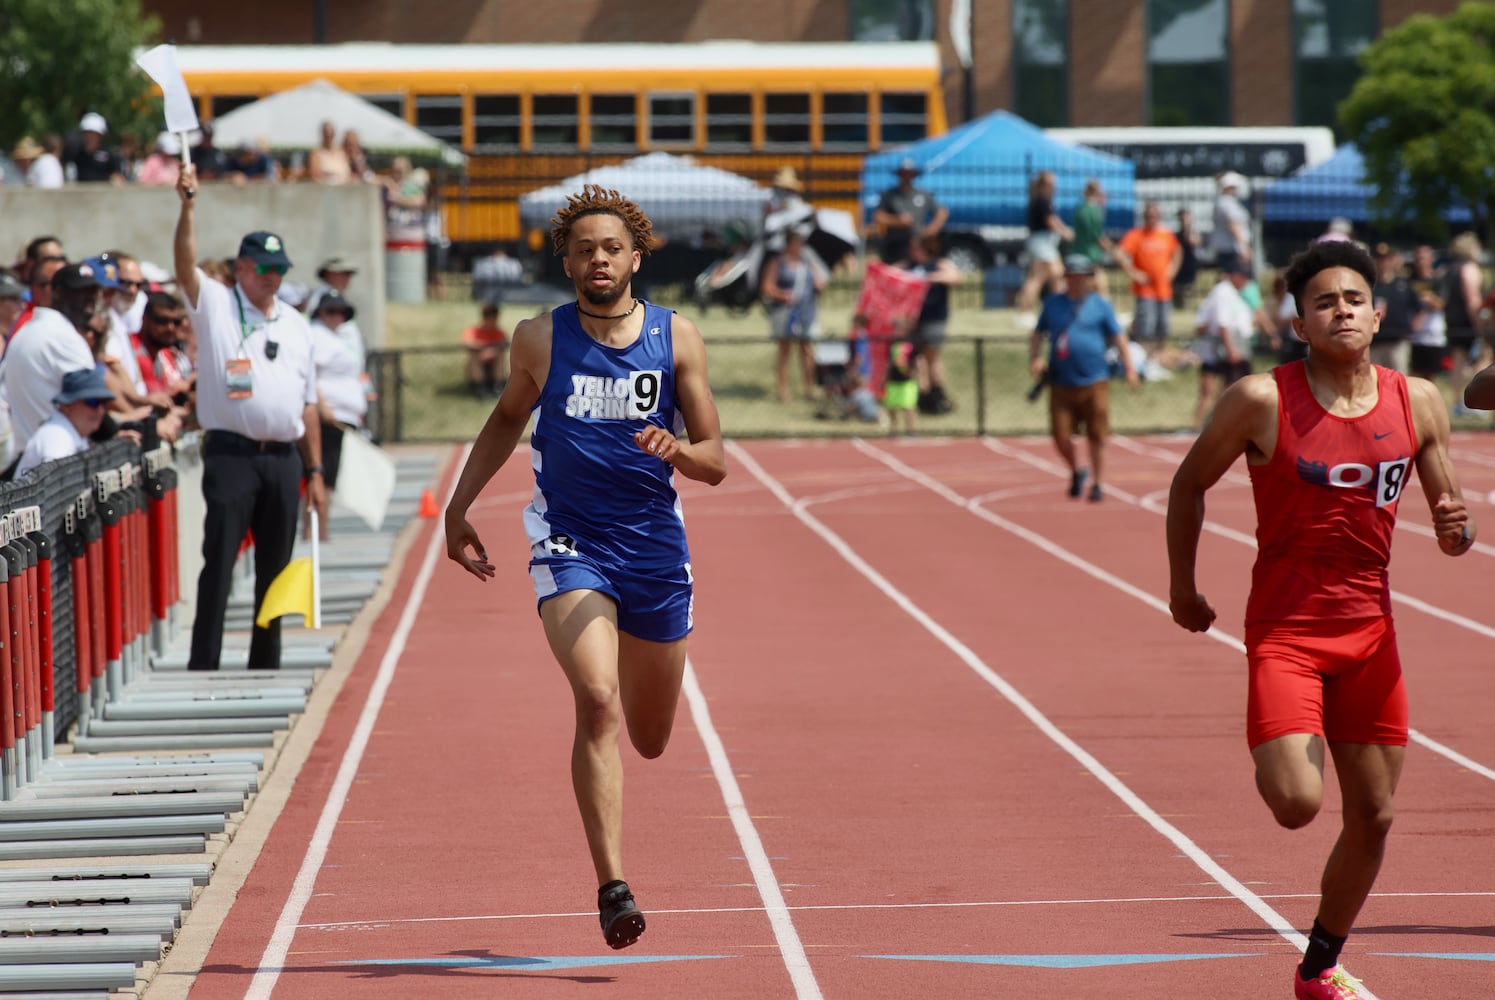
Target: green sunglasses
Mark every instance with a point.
(279, 269)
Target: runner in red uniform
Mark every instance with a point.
(1330, 442)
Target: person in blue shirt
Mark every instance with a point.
(1079, 326)
(622, 402)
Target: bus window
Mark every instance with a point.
(224, 103)
(614, 123)
(393, 103)
(904, 118)
(843, 121)
(553, 122)
(786, 120)
(495, 120)
(440, 116)
(729, 121)
(672, 119)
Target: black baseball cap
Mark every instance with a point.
(335, 302)
(262, 247)
(75, 278)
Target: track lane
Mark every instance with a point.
(458, 863)
(1083, 842)
(1438, 812)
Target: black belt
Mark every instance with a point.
(229, 443)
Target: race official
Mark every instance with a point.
(256, 401)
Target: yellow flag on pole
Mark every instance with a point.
(290, 593)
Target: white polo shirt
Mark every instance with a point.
(57, 438)
(339, 375)
(39, 354)
(228, 326)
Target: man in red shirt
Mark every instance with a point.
(1330, 442)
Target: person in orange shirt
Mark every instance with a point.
(1151, 255)
(487, 354)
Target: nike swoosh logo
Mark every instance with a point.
(1380, 436)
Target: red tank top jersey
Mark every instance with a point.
(1326, 503)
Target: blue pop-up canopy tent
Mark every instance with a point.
(981, 171)
(1336, 187)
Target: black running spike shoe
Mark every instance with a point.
(622, 923)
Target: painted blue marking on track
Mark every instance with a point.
(530, 963)
(1060, 961)
(1452, 956)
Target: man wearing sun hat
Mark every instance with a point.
(257, 404)
(905, 212)
(81, 404)
(39, 161)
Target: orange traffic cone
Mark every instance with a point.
(428, 504)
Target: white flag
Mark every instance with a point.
(160, 65)
(365, 478)
(960, 30)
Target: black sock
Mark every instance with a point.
(609, 887)
(1322, 952)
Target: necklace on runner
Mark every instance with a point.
(620, 315)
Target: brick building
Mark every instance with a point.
(1055, 62)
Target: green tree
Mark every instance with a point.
(1423, 115)
(59, 60)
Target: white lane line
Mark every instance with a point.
(1479, 628)
(375, 923)
(1274, 920)
(1192, 851)
(272, 961)
(793, 951)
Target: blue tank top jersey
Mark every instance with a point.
(593, 484)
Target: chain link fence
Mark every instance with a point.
(423, 394)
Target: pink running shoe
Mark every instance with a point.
(1331, 984)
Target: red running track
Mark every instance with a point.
(975, 759)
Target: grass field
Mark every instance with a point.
(436, 404)
(985, 359)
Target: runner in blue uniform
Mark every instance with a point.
(623, 402)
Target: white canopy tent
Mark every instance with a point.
(680, 197)
(292, 119)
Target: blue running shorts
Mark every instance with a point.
(657, 607)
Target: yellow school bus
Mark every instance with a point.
(530, 115)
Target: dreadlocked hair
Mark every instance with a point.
(597, 200)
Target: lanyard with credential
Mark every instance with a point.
(238, 373)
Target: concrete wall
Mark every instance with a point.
(315, 222)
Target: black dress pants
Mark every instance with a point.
(245, 490)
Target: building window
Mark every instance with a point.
(495, 120)
(440, 116)
(729, 121)
(843, 121)
(614, 122)
(1328, 36)
(892, 20)
(1188, 73)
(786, 120)
(1040, 61)
(553, 122)
(672, 119)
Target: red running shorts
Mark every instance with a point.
(1341, 680)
